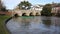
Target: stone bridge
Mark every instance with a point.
(27, 12)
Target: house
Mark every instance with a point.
(55, 8)
(37, 7)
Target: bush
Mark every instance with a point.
(46, 10)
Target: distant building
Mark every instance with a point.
(33, 7)
(55, 8)
(37, 7)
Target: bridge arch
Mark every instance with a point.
(37, 14)
(24, 14)
(31, 14)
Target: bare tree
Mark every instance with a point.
(2, 7)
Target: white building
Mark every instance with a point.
(37, 7)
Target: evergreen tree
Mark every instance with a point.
(25, 5)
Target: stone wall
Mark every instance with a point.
(28, 12)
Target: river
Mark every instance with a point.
(34, 25)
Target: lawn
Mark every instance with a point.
(3, 30)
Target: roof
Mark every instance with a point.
(56, 5)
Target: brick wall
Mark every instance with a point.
(5, 13)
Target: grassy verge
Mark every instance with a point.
(2, 26)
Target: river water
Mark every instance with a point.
(34, 25)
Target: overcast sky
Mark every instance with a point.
(10, 4)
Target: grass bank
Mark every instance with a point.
(2, 26)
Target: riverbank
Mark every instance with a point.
(2, 24)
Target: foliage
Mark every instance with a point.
(58, 4)
(46, 10)
(2, 8)
(25, 5)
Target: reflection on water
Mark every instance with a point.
(47, 22)
(34, 25)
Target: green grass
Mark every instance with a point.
(2, 26)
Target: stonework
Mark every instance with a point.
(36, 11)
(27, 12)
